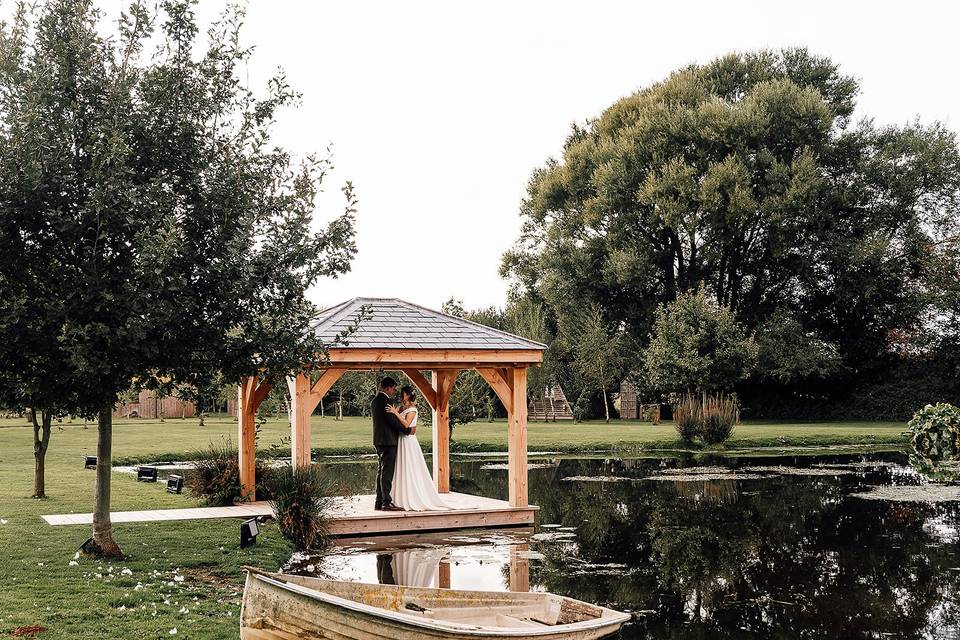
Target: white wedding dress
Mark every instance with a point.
(417, 567)
(413, 488)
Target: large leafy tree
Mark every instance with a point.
(149, 232)
(748, 176)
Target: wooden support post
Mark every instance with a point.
(498, 381)
(443, 574)
(423, 385)
(300, 411)
(249, 397)
(520, 568)
(304, 398)
(517, 439)
(442, 385)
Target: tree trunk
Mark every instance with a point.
(603, 390)
(102, 544)
(41, 440)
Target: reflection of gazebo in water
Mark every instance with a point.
(430, 348)
(438, 559)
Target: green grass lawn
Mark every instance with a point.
(145, 440)
(186, 575)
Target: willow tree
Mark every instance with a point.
(141, 198)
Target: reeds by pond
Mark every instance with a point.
(686, 417)
(711, 416)
(720, 413)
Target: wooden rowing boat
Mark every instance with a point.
(282, 606)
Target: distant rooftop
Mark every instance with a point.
(396, 324)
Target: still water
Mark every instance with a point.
(696, 548)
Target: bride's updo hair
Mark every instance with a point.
(407, 390)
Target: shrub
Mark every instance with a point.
(935, 432)
(698, 344)
(719, 414)
(301, 499)
(216, 477)
(686, 417)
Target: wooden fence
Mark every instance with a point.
(149, 406)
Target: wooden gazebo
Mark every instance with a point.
(430, 348)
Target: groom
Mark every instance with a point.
(386, 432)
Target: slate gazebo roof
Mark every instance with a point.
(389, 323)
(386, 333)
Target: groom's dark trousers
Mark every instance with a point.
(386, 464)
(386, 434)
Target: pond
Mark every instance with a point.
(697, 548)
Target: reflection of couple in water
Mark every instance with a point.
(410, 567)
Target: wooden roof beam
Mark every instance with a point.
(427, 358)
(423, 385)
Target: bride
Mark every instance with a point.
(413, 488)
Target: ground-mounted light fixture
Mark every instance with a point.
(174, 484)
(146, 474)
(89, 462)
(249, 530)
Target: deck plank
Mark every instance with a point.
(353, 515)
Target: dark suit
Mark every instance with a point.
(386, 433)
(385, 569)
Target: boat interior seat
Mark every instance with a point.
(508, 616)
(511, 621)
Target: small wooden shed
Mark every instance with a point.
(430, 347)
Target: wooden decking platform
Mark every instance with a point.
(350, 516)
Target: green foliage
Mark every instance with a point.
(935, 432)
(215, 478)
(471, 397)
(527, 318)
(454, 307)
(580, 409)
(599, 351)
(151, 231)
(748, 176)
(787, 353)
(697, 345)
(687, 416)
(301, 499)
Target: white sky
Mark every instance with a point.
(439, 111)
